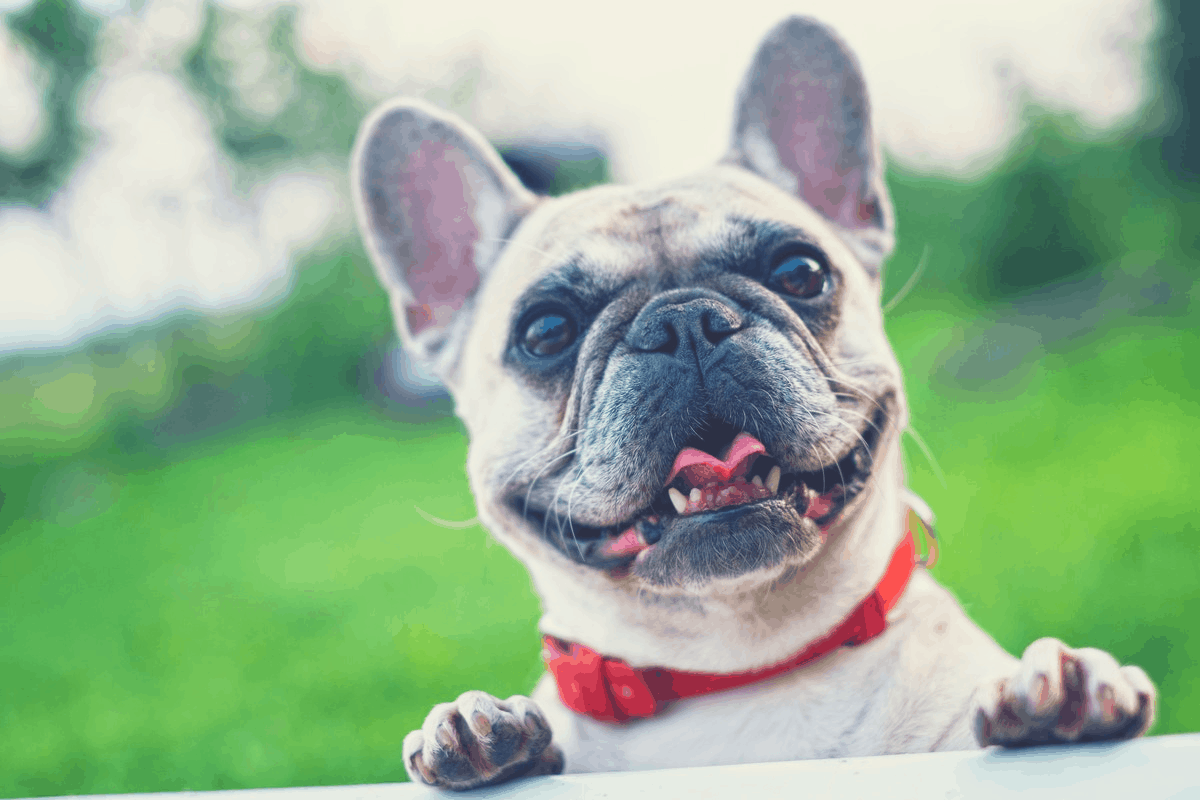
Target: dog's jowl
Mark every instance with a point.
(684, 419)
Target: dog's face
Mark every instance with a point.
(670, 388)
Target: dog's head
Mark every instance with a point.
(669, 388)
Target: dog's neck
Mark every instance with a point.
(738, 630)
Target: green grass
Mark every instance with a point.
(213, 573)
(1069, 507)
(267, 608)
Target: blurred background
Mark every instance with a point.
(217, 568)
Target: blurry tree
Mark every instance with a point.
(327, 339)
(267, 103)
(1052, 211)
(1066, 202)
(62, 36)
(1178, 51)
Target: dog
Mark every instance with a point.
(684, 420)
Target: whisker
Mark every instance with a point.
(553, 509)
(857, 434)
(509, 240)
(836, 463)
(537, 477)
(912, 281)
(448, 523)
(870, 423)
(937, 470)
(860, 394)
(570, 517)
(516, 471)
(856, 361)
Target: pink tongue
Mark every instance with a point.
(626, 544)
(701, 468)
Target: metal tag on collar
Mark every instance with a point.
(924, 514)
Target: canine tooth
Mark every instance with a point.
(757, 481)
(773, 479)
(677, 499)
(694, 495)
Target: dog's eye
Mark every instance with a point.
(548, 335)
(799, 275)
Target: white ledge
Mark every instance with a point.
(1145, 769)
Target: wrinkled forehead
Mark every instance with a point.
(617, 233)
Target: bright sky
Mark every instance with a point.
(659, 78)
(151, 221)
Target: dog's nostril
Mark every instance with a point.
(717, 326)
(660, 339)
(670, 340)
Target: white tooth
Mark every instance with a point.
(694, 495)
(773, 479)
(677, 499)
(757, 481)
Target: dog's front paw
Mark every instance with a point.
(479, 740)
(1064, 695)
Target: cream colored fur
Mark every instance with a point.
(931, 681)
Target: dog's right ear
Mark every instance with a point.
(434, 203)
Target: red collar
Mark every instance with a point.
(610, 690)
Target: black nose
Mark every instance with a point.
(684, 325)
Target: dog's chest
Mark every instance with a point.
(904, 691)
(801, 715)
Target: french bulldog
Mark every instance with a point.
(684, 420)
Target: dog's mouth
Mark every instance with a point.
(722, 470)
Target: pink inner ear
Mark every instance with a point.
(806, 131)
(442, 274)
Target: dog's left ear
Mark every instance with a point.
(804, 123)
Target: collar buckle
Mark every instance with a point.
(924, 514)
